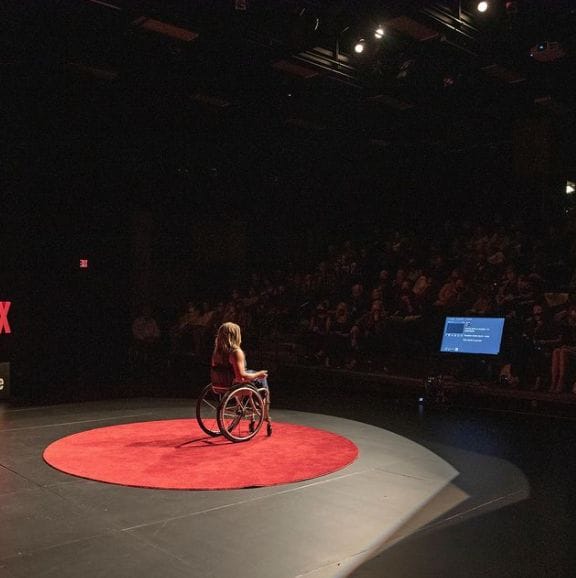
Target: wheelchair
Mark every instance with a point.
(237, 412)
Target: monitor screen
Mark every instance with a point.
(476, 335)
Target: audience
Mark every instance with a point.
(387, 296)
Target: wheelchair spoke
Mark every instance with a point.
(207, 409)
(240, 416)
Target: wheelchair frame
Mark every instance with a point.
(236, 412)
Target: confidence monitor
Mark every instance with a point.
(472, 335)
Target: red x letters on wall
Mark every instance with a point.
(4, 325)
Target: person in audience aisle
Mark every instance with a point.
(565, 353)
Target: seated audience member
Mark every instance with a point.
(508, 291)
(358, 303)
(242, 316)
(230, 313)
(406, 305)
(541, 335)
(182, 334)
(376, 295)
(497, 259)
(202, 330)
(316, 337)
(481, 270)
(384, 285)
(217, 317)
(324, 278)
(483, 306)
(339, 336)
(145, 330)
(399, 278)
(369, 332)
(145, 348)
(421, 289)
(454, 296)
(438, 266)
(527, 293)
(448, 292)
(251, 300)
(561, 356)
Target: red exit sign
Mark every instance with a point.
(83, 263)
(4, 308)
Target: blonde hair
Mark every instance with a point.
(227, 340)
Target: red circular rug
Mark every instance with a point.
(176, 454)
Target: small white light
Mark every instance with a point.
(482, 6)
(420, 399)
(570, 187)
(359, 48)
(379, 33)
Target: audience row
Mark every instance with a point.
(366, 301)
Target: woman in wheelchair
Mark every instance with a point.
(228, 365)
(237, 401)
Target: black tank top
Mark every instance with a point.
(222, 373)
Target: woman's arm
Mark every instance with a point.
(238, 361)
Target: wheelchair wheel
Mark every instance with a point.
(207, 411)
(241, 414)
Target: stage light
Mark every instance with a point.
(379, 33)
(570, 187)
(360, 46)
(482, 6)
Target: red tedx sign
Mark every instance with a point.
(4, 325)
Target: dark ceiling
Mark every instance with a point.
(443, 76)
(440, 56)
(195, 107)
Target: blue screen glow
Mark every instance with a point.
(479, 335)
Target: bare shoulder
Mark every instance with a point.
(237, 354)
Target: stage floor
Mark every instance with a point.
(411, 505)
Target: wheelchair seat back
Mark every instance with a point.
(220, 389)
(222, 377)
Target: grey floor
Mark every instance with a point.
(351, 521)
